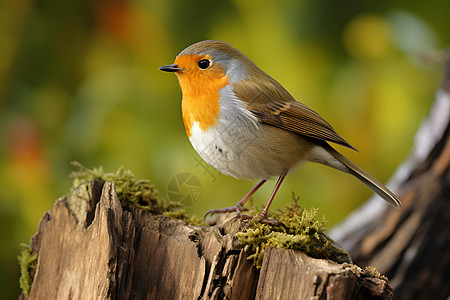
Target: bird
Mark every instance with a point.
(245, 124)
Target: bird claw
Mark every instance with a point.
(272, 222)
(236, 208)
(261, 219)
(240, 217)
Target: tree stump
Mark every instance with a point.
(90, 247)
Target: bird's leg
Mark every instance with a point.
(263, 214)
(238, 207)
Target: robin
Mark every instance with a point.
(245, 124)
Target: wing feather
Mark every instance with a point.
(273, 105)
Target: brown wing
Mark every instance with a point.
(273, 105)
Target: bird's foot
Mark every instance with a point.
(236, 208)
(261, 218)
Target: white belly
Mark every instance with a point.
(252, 152)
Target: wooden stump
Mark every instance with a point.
(89, 247)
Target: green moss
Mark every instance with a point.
(180, 214)
(27, 263)
(130, 191)
(301, 232)
(133, 192)
(373, 272)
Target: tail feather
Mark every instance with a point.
(366, 178)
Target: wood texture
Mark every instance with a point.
(89, 247)
(289, 274)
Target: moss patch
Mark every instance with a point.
(134, 192)
(180, 214)
(368, 271)
(27, 263)
(301, 232)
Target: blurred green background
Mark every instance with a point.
(79, 80)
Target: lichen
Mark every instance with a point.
(27, 263)
(301, 231)
(133, 192)
(368, 271)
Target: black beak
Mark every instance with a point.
(171, 68)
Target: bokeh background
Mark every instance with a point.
(79, 80)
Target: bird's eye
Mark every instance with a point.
(204, 64)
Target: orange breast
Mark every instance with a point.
(200, 89)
